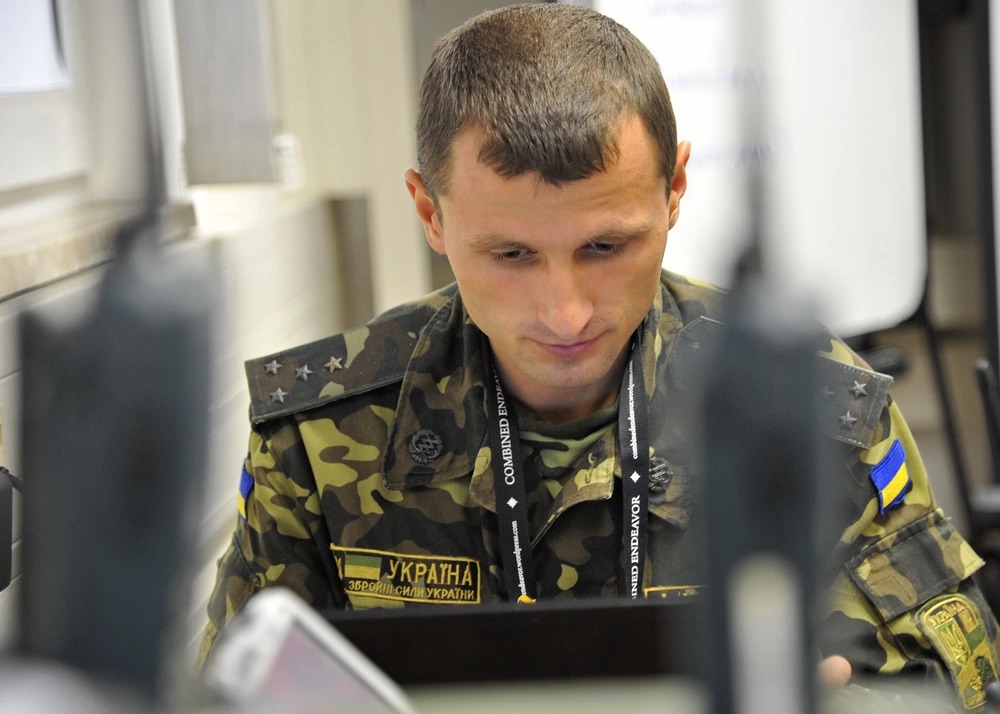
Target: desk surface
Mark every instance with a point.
(662, 694)
(666, 695)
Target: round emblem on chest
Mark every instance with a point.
(425, 446)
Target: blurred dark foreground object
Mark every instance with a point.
(761, 407)
(8, 482)
(115, 405)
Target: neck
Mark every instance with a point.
(564, 406)
(568, 413)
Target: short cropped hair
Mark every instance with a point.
(550, 85)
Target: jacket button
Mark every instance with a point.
(425, 446)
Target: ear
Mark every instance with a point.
(427, 210)
(679, 182)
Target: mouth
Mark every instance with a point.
(566, 351)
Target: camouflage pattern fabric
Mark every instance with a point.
(369, 484)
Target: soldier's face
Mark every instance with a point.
(557, 278)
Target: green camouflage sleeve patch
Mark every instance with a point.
(955, 626)
(278, 542)
(234, 585)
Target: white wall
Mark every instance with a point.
(344, 73)
(278, 281)
(345, 77)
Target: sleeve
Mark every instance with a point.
(280, 539)
(903, 600)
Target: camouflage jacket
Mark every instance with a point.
(368, 483)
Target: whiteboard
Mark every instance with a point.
(841, 145)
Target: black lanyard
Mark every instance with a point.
(511, 503)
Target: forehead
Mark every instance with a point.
(631, 188)
(473, 139)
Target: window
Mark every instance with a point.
(42, 129)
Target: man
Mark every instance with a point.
(466, 447)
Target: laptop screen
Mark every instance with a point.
(548, 639)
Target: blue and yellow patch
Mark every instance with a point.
(891, 478)
(246, 486)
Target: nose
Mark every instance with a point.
(565, 307)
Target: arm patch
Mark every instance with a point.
(246, 486)
(891, 478)
(954, 625)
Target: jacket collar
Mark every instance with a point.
(442, 397)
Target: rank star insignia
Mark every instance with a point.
(303, 372)
(827, 393)
(847, 421)
(272, 367)
(334, 363)
(858, 390)
(512, 502)
(278, 395)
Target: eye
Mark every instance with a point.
(513, 255)
(602, 249)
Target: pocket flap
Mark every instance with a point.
(904, 570)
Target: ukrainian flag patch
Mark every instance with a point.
(246, 486)
(357, 565)
(891, 478)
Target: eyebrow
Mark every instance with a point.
(490, 240)
(499, 240)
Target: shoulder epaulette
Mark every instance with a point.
(353, 362)
(853, 396)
